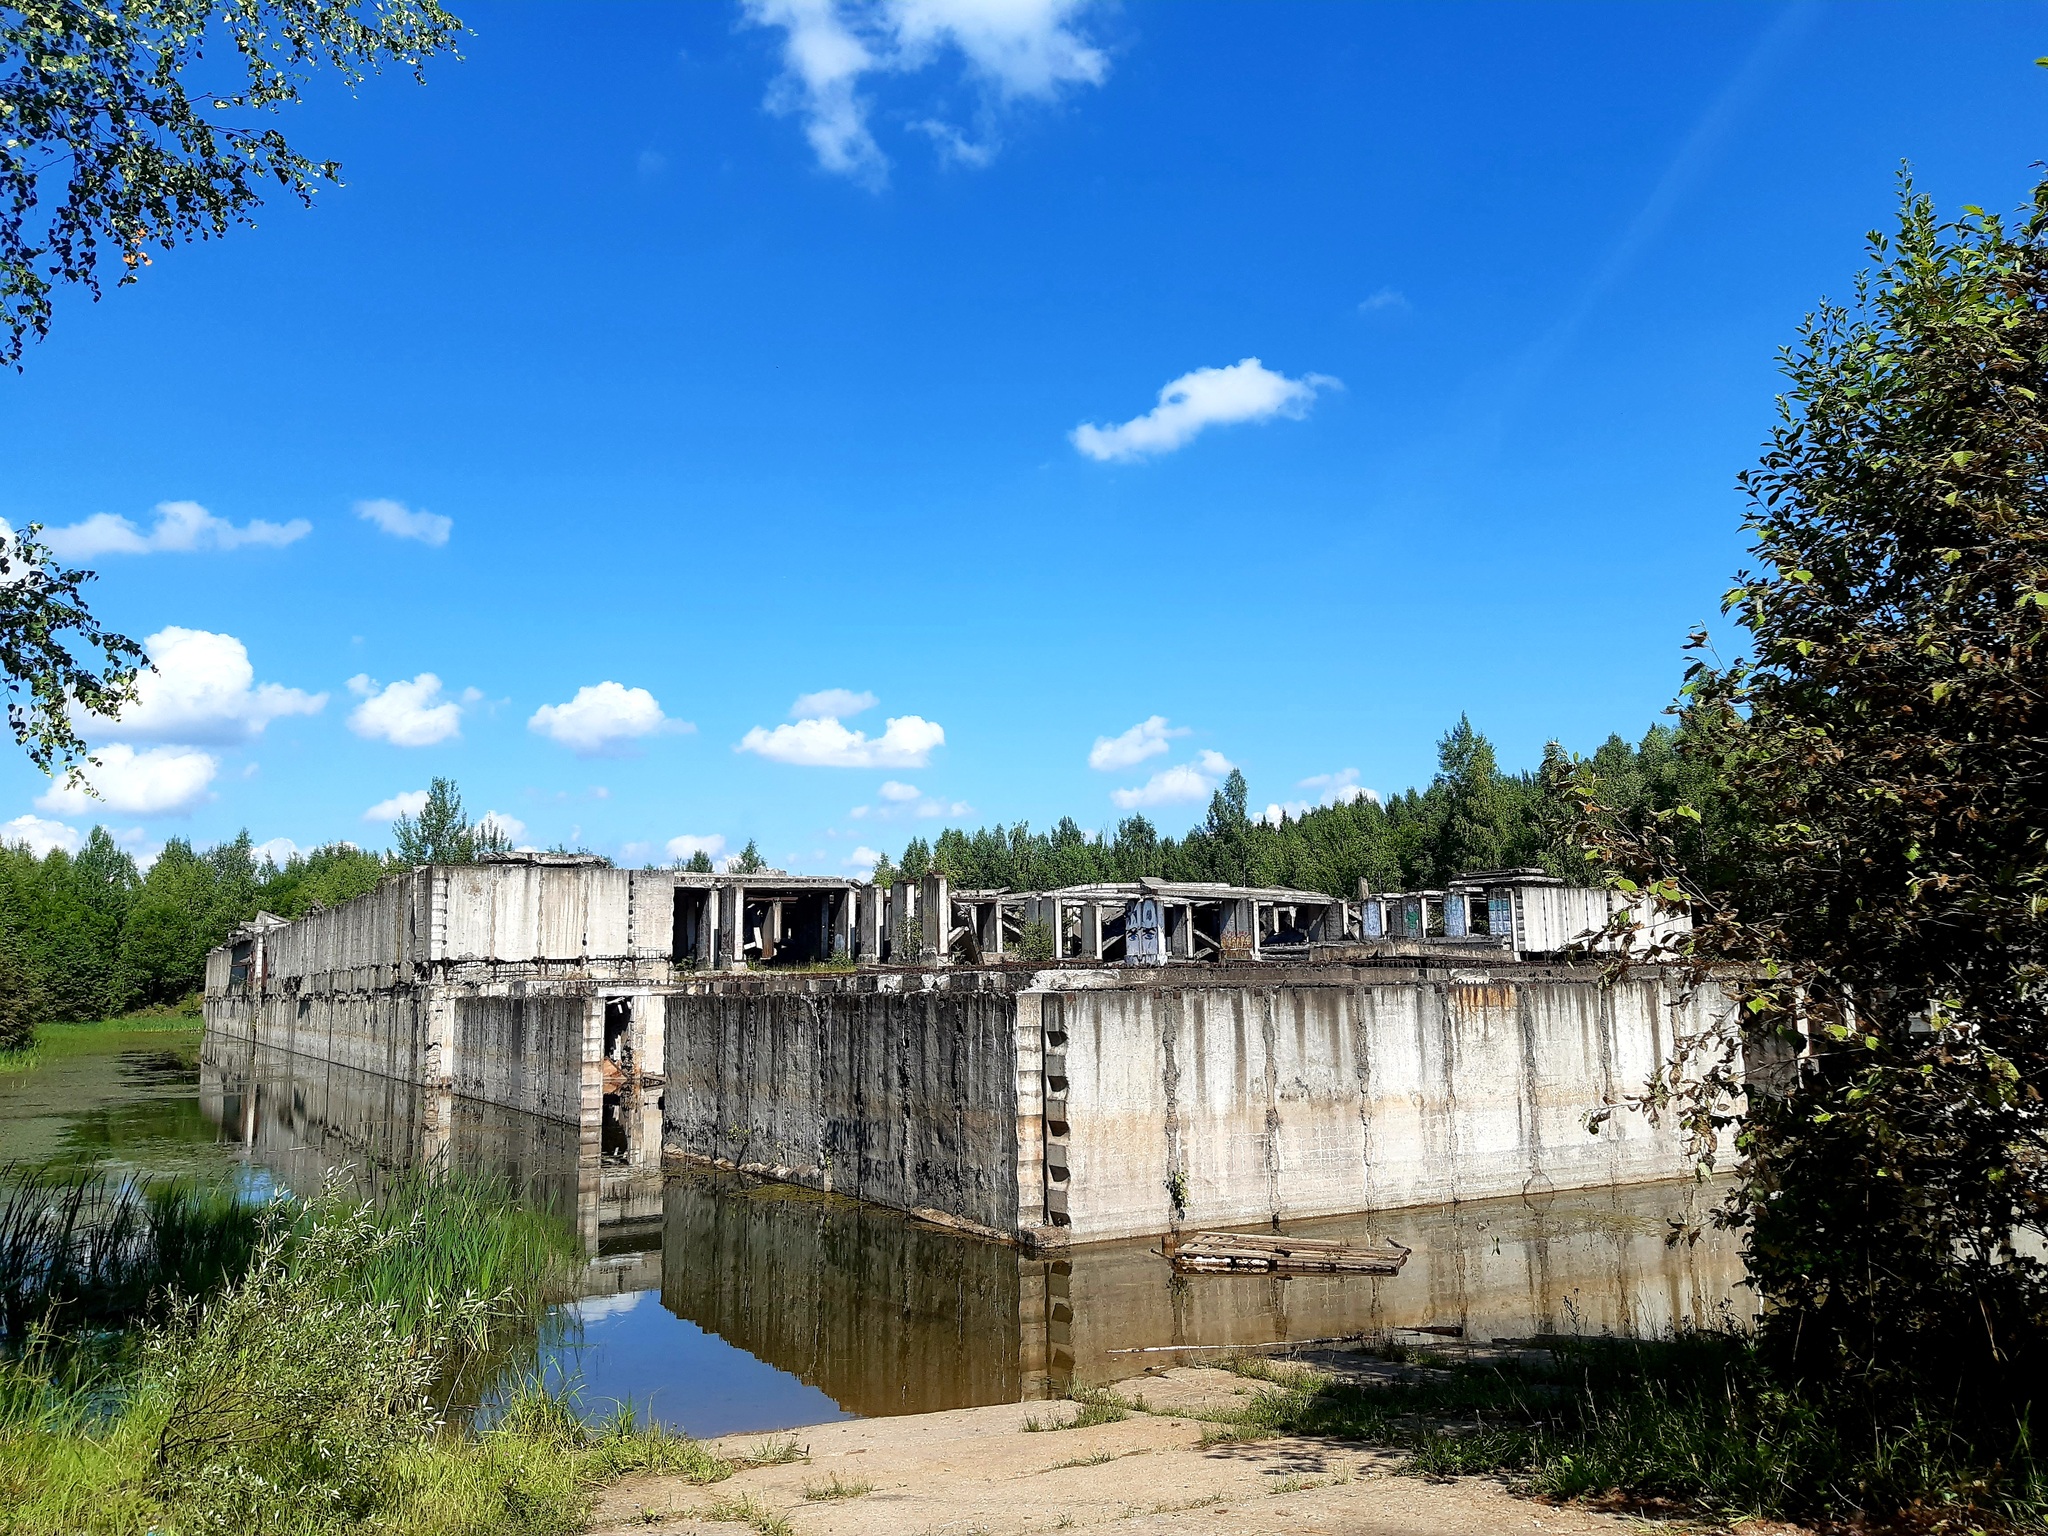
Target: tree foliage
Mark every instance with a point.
(117, 133)
(442, 833)
(55, 657)
(1471, 816)
(88, 935)
(1877, 893)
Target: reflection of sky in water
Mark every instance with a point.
(633, 1349)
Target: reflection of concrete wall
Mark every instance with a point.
(888, 1316)
(300, 1117)
(906, 1097)
(881, 1314)
(1590, 1261)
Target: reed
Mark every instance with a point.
(81, 1256)
(305, 1385)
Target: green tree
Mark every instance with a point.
(325, 877)
(748, 860)
(48, 641)
(442, 832)
(1474, 809)
(106, 151)
(1880, 908)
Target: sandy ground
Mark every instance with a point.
(980, 1472)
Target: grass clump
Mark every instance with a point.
(837, 1487)
(1092, 1406)
(1692, 1423)
(747, 1510)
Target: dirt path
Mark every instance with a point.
(980, 1472)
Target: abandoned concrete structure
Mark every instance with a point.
(1190, 1052)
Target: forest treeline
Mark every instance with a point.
(1471, 816)
(90, 935)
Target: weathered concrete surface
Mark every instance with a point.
(491, 980)
(304, 1120)
(1330, 1089)
(1070, 1105)
(898, 1088)
(980, 1470)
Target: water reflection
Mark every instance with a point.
(718, 1303)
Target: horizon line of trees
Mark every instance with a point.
(1472, 815)
(91, 934)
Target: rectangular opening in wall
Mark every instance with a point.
(693, 922)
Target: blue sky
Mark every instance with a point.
(667, 383)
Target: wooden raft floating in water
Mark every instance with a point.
(1208, 1253)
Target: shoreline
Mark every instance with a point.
(1163, 1467)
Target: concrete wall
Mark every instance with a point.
(1080, 1105)
(900, 1089)
(1332, 1090)
(575, 914)
(479, 978)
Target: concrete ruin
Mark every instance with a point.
(1168, 1053)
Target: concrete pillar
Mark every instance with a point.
(707, 931)
(732, 934)
(1091, 931)
(868, 903)
(936, 912)
(649, 1034)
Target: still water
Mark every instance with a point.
(717, 1304)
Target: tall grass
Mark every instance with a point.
(89, 1255)
(311, 1381)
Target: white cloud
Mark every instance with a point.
(278, 850)
(893, 790)
(1208, 397)
(862, 857)
(1339, 788)
(511, 826)
(602, 719)
(203, 690)
(1176, 785)
(905, 742)
(181, 526)
(41, 835)
(1383, 299)
(832, 703)
(682, 847)
(406, 714)
(931, 810)
(1148, 738)
(401, 522)
(160, 781)
(1013, 49)
(407, 802)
